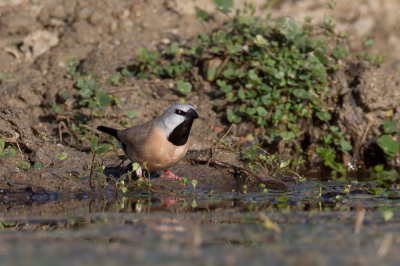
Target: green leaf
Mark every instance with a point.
(103, 98)
(224, 5)
(131, 114)
(345, 146)
(184, 181)
(56, 108)
(122, 157)
(287, 135)
(201, 15)
(124, 189)
(321, 57)
(37, 165)
(143, 54)
(194, 183)
(194, 203)
(324, 116)
(379, 168)
(261, 111)
(382, 183)
(233, 116)
(24, 165)
(102, 148)
(1, 145)
(184, 87)
(135, 166)
(172, 49)
(8, 153)
(93, 143)
(389, 146)
(375, 190)
(61, 156)
(390, 126)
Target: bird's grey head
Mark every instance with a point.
(175, 116)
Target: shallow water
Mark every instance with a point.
(314, 223)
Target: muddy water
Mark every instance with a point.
(314, 223)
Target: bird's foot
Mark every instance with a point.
(171, 175)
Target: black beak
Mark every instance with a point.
(191, 113)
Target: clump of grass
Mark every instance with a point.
(272, 72)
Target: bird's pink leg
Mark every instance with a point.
(171, 175)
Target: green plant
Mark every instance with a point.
(388, 145)
(184, 181)
(272, 165)
(6, 153)
(329, 160)
(96, 150)
(72, 64)
(390, 126)
(61, 156)
(184, 87)
(273, 72)
(37, 165)
(201, 15)
(194, 184)
(115, 80)
(24, 165)
(379, 173)
(4, 75)
(131, 114)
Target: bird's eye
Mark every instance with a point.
(180, 112)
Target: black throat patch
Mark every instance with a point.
(180, 135)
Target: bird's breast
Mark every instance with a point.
(159, 153)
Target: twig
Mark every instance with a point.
(60, 131)
(92, 185)
(219, 142)
(22, 156)
(221, 67)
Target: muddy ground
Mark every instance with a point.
(37, 37)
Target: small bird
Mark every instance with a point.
(162, 142)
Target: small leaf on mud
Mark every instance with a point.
(184, 181)
(184, 87)
(124, 189)
(201, 15)
(131, 114)
(390, 126)
(24, 165)
(61, 156)
(122, 157)
(103, 98)
(7, 153)
(37, 165)
(102, 148)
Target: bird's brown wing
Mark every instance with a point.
(135, 137)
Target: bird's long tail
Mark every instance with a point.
(108, 130)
